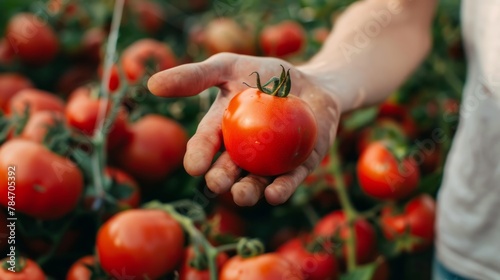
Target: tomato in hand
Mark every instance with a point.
(270, 266)
(268, 134)
(383, 175)
(189, 272)
(36, 100)
(38, 124)
(47, 186)
(79, 269)
(32, 39)
(82, 113)
(156, 149)
(26, 269)
(314, 265)
(283, 39)
(417, 220)
(140, 243)
(226, 35)
(10, 84)
(335, 225)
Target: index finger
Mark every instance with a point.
(189, 79)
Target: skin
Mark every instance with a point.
(332, 82)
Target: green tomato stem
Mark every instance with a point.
(349, 210)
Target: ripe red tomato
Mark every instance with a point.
(28, 269)
(10, 84)
(314, 266)
(82, 112)
(417, 220)
(139, 57)
(32, 39)
(335, 224)
(38, 123)
(226, 35)
(140, 243)
(79, 269)
(7, 54)
(283, 39)
(382, 176)
(47, 186)
(268, 135)
(188, 272)
(37, 100)
(156, 149)
(268, 266)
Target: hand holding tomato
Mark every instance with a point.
(229, 72)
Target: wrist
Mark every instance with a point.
(336, 83)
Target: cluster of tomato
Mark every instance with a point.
(96, 180)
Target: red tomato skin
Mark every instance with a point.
(135, 58)
(187, 272)
(335, 223)
(226, 221)
(268, 135)
(380, 176)
(47, 186)
(401, 115)
(37, 100)
(10, 84)
(151, 15)
(314, 266)
(283, 39)
(140, 242)
(78, 271)
(82, 112)
(268, 266)
(418, 219)
(226, 35)
(37, 126)
(32, 39)
(155, 150)
(31, 271)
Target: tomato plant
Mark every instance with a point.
(10, 84)
(141, 243)
(417, 221)
(24, 270)
(268, 266)
(38, 124)
(80, 270)
(333, 226)
(227, 35)
(32, 39)
(269, 132)
(155, 150)
(34, 100)
(314, 265)
(47, 186)
(383, 175)
(195, 269)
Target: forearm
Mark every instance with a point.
(374, 47)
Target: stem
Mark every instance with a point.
(99, 140)
(349, 210)
(194, 234)
(227, 247)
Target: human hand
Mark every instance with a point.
(228, 72)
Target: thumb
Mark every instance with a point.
(191, 79)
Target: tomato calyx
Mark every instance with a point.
(280, 86)
(20, 264)
(247, 248)
(200, 259)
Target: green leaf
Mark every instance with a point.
(360, 118)
(364, 272)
